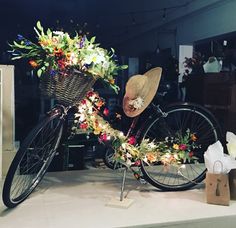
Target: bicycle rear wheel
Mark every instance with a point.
(180, 118)
(108, 159)
(32, 159)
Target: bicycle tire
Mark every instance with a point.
(179, 118)
(32, 159)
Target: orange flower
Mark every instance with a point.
(151, 157)
(193, 137)
(58, 52)
(112, 81)
(100, 103)
(33, 63)
(43, 43)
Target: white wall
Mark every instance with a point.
(204, 21)
(7, 120)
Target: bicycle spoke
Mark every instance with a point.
(178, 121)
(34, 157)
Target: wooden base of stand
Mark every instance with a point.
(116, 202)
(121, 202)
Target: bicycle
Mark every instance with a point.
(38, 149)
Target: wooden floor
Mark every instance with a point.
(78, 199)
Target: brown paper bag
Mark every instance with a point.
(232, 184)
(217, 189)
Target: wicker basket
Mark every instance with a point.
(67, 90)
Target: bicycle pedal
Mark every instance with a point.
(142, 181)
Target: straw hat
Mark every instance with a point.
(140, 90)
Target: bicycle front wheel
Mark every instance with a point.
(179, 119)
(32, 159)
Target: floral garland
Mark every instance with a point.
(172, 151)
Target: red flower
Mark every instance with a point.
(83, 126)
(58, 52)
(106, 111)
(83, 102)
(137, 163)
(190, 154)
(61, 63)
(132, 140)
(182, 146)
(90, 94)
(103, 137)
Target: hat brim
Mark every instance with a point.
(154, 77)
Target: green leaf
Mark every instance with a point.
(39, 72)
(92, 39)
(113, 51)
(39, 26)
(17, 57)
(123, 67)
(18, 45)
(49, 33)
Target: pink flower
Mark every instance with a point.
(182, 146)
(132, 140)
(106, 111)
(137, 163)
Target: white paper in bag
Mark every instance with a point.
(231, 144)
(216, 161)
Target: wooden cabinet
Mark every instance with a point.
(217, 92)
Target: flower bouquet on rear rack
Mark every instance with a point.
(67, 66)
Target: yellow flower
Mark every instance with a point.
(97, 129)
(176, 146)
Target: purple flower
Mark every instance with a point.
(53, 72)
(81, 44)
(20, 37)
(27, 42)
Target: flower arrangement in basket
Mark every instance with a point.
(63, 61)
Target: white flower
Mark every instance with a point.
(73, 60)
(137, 103)
(82, 118)
(128, 162)
(60, 33)
(152, 145)
(105, 65)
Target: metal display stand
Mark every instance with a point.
(121, 202)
